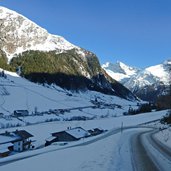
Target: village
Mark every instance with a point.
(19, 141)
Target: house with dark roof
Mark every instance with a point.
(71, 134)
(22, 141)
(18, 141)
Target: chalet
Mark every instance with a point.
(73, 134)
(18, 141)
(19, 113)
(22, 141)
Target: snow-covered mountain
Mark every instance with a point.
(161, 71)
(120, 71)
(48, 58)
(146, 83)
(19, 34)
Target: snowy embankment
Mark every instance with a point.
(164, 136)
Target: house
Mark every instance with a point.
(73, 134)
(20, 140)
(19, 113)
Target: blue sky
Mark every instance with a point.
(136, 32)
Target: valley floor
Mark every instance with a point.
(112, 150)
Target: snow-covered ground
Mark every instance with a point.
(163, 133)
(102, 155)
(17, 93)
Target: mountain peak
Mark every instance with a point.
(19, 34)
(119, 71)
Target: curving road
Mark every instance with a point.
(148, 154)
(141, 158)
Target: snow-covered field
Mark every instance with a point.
(17, 93)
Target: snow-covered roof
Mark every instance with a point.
(22, 134)
(50, 138)
(6, 139)
(13, 136)
(77, 132)
(4, 147)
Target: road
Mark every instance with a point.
(141, 157)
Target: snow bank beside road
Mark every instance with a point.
(164, 136)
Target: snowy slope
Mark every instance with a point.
(141, 79)
(161, 71)
(19, 34)
(17, 93)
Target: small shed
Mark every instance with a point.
(73, 134)
(95, 131)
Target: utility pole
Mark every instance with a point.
(121, 127)
(169, 89)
